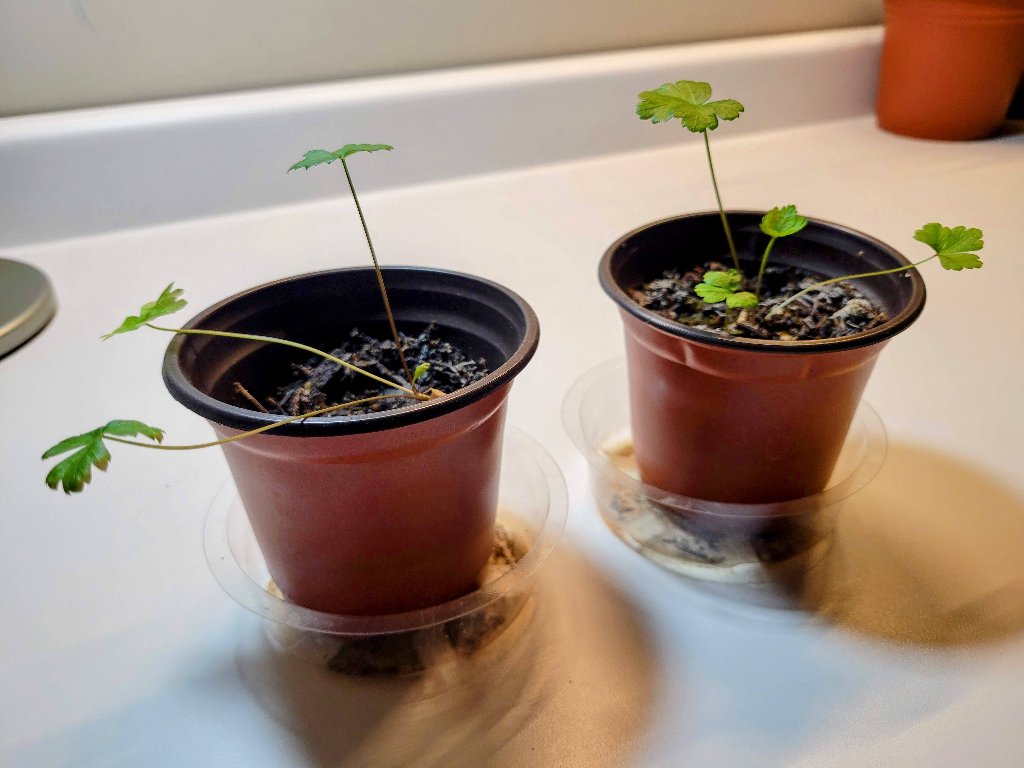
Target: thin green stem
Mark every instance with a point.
(764, 263)
(721, 209)
(380, 277)
(251, 432)
(779, 307)
(287, 343)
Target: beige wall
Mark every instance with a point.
(62, 54)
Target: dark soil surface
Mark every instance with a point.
(320, 383)
(831, 312)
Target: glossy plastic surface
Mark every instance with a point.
(715, 541)
(532, 510)
(747, 420)
(375, 513)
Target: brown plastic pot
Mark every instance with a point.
(376, 513)
(949, 68)
(747, 420)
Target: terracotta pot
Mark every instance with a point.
(367, 514)
(949, 67)
(747, 420)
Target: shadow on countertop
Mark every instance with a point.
(584, 657)
(931, 553)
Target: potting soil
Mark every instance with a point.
(830, 312)
(321, 383)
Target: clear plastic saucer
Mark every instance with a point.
(531, 515)
(730, 544)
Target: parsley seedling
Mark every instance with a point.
(74, 472)
(687, 100)
(317, 157)
(721, 286)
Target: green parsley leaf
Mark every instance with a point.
(780, 222)
(687, 100)
(167, 303)
(730, 279)
(741, 299)
(75, 471)
(314, 157)
(712, 294)
(322, 156)
(953, 246)
(721, 286)
(421, 369)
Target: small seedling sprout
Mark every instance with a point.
(688, 100)
(322, 157)
(74, 472)
(722, 286)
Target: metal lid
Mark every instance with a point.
(27, 303)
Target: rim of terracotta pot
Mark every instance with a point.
(484, 300)
(960, 11)
(903, 292)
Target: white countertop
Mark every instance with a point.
(117, 648)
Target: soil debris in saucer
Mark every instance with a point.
(468, 634)
(701, 539)
(412, 651)
(830, 312)
(320, 383)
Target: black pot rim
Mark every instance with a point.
(890, 328)
(235, 417)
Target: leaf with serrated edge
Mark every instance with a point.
(322, 157)
(687, 100)
(351, 149)
(741, 299)
(312, 158)
(930, 234)
(69, 443)
(74, 472)
(959, 261)
(712, 294)
(132, 428)
(656, 106)
(698, 118)
(954, 245)
(727, 109)
(167, 303)
(781, 222)
(730, 279)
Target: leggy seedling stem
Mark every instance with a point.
(380, 277)
(764, 263)
(721, 208)
(251, 432)
(779, 307)
(688, 101)
(288, 343)
(89, 450)
(954, 247)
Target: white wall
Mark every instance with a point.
(62, 54)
